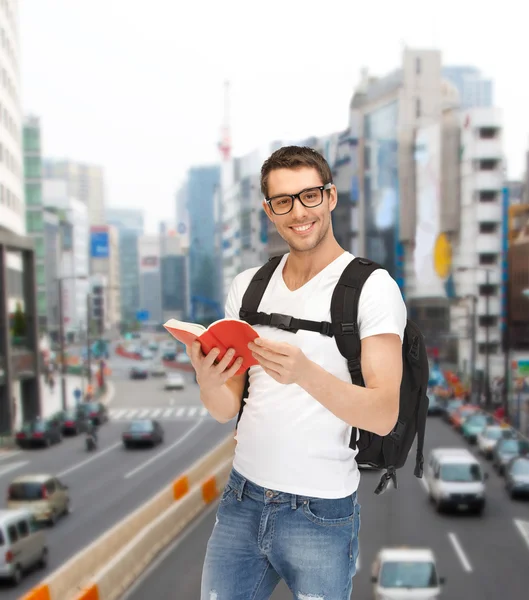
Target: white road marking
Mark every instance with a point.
(163, 452)
(12, 467)
(143, 413)
(523, 528)
(117, 414)
(180, 411)
(131, 414)
(193, 411)
(9, 454)
(167, 412)
(460, 553)
(156, 413)
(204, 412)
(98, 454)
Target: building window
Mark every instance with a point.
(492, 348)
(33, 194)
(31, 139)
(41, 275)
(488, 227)
(34, 221)
(32, 167)
(488, 133)
(488, 321)
(417, 108)
(488, 195)
(488, 289)
(488, 258)
(487, 164)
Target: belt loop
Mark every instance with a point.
(240, 489)
(293, 501)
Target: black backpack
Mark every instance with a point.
(383, 452)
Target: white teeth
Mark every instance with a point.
(302, 227)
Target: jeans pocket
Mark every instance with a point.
(330, 512)
(229, 492)
(354, 548)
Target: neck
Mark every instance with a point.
(302, 266)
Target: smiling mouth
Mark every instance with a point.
(302, 228)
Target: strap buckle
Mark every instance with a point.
(354, 366)
(326, 328)
(281, 321)
(349, 328)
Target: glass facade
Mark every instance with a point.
(32, 167)
(381, 190)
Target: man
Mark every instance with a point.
(290, 509)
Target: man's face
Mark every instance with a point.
(293, 181)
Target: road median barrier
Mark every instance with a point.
(178, 502)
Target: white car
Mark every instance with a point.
(175, 381)
(157, 369)
(146, 354)
(183, 358)
(406, 573)
(488, 439)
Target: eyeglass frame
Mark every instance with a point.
(322, 188)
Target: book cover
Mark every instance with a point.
(223, 334)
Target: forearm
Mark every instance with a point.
(222, 403)
(374, 409)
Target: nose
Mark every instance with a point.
(298, 210)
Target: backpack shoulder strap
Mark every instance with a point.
(257, 287)
(344, 317)
(344, 312)
(250, 304)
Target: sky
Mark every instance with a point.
(137, 87)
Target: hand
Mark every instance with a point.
(210, 374)
(283, 362)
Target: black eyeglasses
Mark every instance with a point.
(310, 198)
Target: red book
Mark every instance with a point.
(223, 334)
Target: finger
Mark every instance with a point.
(211, 357)
(279, 347)
(233, 369)
(269, 364)
(271, 358)
(195, 352)
(225, 361)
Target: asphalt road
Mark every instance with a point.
(107, 485)
(485, 558)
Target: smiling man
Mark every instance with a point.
(290, 509)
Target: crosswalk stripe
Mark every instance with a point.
(143, 413)
(130, 414)
(167, 413)
(156, 413)
(175, 412)
(180, 411)
(117, 414)
(193, 411)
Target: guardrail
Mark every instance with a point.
(105, 568)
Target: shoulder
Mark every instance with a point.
(381, 307)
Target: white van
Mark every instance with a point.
(455, 480)
(22, 544)
(406, 574)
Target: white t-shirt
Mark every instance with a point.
(287, 440)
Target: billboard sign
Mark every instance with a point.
(99, 244)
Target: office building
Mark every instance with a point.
(130, 226)
(174, 271)
(19, 335)
(84, 182)
(150, 277)
(74, 264)
(474, 90)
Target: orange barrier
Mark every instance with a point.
(42, 592)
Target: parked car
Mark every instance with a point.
(41, 432)
(23, 544)
(73, 421)
(459, 416)
(175, 381)
(474, 425)
(435, 408)
(489, 437)
(158, 370)
(399, 573)
(44, 495)
(450, 407)
(143, 432)
(517, 477)
(139, 373)
(506, 450)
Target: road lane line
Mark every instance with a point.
(460, 553)
(11, 467)
(9, 454)
(163, 452)
(523, 528)
(98, 454)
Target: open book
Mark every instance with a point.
(223, 334)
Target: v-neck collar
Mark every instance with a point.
(312, 279)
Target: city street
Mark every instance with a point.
(484, 558)
(107, 485)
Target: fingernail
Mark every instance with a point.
(258, 341)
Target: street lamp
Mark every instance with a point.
(61, 336)
(487, 325)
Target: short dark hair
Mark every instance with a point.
(294, 157)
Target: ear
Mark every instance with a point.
(268, 211)
(333, 198)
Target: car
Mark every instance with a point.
(146, 354)
(399, 573)
(489, 437)
(74, 421)
(96, 412)
(474, 425)
(40, 432)
(158, 370)
(23, 544)
(175, 381)
(43, 495)
(517, 477)
(143, 432)
(455, 480)
(435, 408)
(139, 373)
(506, 450)
(450, 408)
(459, 416)
(183, 358)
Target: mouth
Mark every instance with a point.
(303, 229)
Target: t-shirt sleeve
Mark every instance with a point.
(381, 308)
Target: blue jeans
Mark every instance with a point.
(262, 536)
